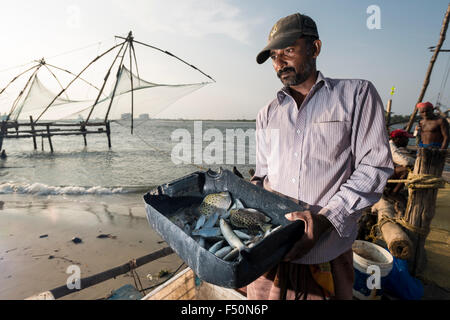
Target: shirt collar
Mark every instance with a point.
(320, 78)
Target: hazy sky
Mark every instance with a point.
(223, 37)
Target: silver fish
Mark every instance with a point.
(273, 230)
(223, 252)
(233, 254)
(200, 222)
(242, 235)
(211, 220)
(207, 232)
(201, 242)
(230, 236)
(216, 246)
(215, 202)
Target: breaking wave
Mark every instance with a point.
(41, 189)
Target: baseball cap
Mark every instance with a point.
(286, 31)
(401, 133)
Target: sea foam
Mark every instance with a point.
(41, 189)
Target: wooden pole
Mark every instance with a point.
(106, 275)
(388, 112)
(49, 138)
(430, 67)
(421, 205)
(83, 129)
(108, 134)
(119, 72)
(104, 82)
(131, 79)
(16, 101)
(172, 55)
(18, 76)
(33, 132)
(77, 76)
(2, 133)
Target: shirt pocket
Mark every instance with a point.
(330, 139)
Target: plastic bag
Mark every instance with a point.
(401, 284)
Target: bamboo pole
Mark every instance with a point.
(78, 75)
(131, 80)
(430, 67)
(33, 132)
(172, 55)
(119, 72)
(108, 133)
(57, 80)
(14, 105)
(108, 274)
(104, 83)
(83, 129)
(2, 133)
(421, 206)
(71, 73)
(18, 76)
(49, 138)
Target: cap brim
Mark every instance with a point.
(277, 43)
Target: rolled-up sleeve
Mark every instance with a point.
(372, 163)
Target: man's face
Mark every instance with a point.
(293, 64)
(426, 113)
(401, 141)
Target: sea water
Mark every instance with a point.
(135, 163)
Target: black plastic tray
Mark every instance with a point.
(164, 200)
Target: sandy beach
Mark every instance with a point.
(36, 247)
(25, 267)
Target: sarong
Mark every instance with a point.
(291, 281)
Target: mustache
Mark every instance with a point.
(284, 70)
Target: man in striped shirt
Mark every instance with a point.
(323, 142)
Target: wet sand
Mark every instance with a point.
(25, 267)
(437, 244)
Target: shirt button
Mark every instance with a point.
(298, 131)
(293, 180)
(296, 154)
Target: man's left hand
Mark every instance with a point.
(315, 226)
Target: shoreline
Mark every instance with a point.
(36, 247)
(34, 229)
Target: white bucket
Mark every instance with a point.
(367, 256)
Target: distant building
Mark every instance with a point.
(125, 116)
(144, 116)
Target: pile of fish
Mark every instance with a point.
(224, 227)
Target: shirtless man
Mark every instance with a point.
(434, 130)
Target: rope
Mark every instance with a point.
(164, 153)
(135, 275)
(421, 181)
(400, 221)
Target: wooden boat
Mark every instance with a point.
(186, 286)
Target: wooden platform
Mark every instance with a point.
(183, 287)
